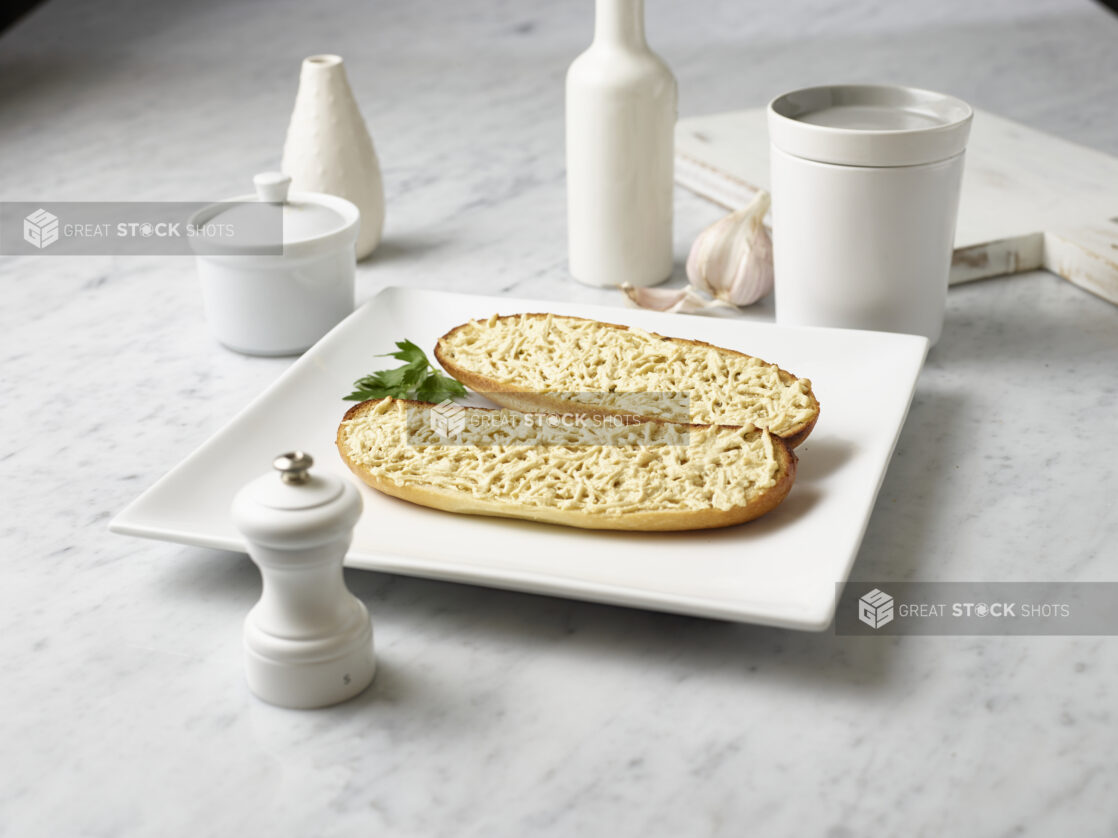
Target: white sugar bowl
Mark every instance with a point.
(262, 297)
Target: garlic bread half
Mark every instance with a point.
(636, 475)
(548, 362)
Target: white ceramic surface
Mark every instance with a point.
(779, 570)
(865, 186)
(328, 147)
(621, 112)
(281, 304)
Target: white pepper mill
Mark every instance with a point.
(308, 641)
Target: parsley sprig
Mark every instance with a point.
(416, 379)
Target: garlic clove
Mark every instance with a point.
(732, 259)
(704, 257)
(753, 278)
(672, 300)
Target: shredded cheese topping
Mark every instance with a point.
(643, 467)
(595, 363)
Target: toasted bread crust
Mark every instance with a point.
(651, 521)
(510, 396)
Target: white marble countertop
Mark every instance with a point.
(123, 711)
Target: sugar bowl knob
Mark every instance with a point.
(272, 187)
(308, 640)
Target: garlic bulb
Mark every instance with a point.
(732, 260)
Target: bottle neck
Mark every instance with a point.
(619, 23)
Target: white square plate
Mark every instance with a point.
(779, 570)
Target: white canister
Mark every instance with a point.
(865, 191)
(281, 302)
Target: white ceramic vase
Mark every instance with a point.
(328, 147)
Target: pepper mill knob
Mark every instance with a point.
(308, 640)
(294, 467)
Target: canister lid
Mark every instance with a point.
(869, 125)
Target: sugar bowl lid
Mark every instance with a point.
(291, 223)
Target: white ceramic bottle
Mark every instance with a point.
(621, 114)
(328, 147)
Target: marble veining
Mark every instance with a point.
(123, 710)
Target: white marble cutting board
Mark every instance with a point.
(1030, 200)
